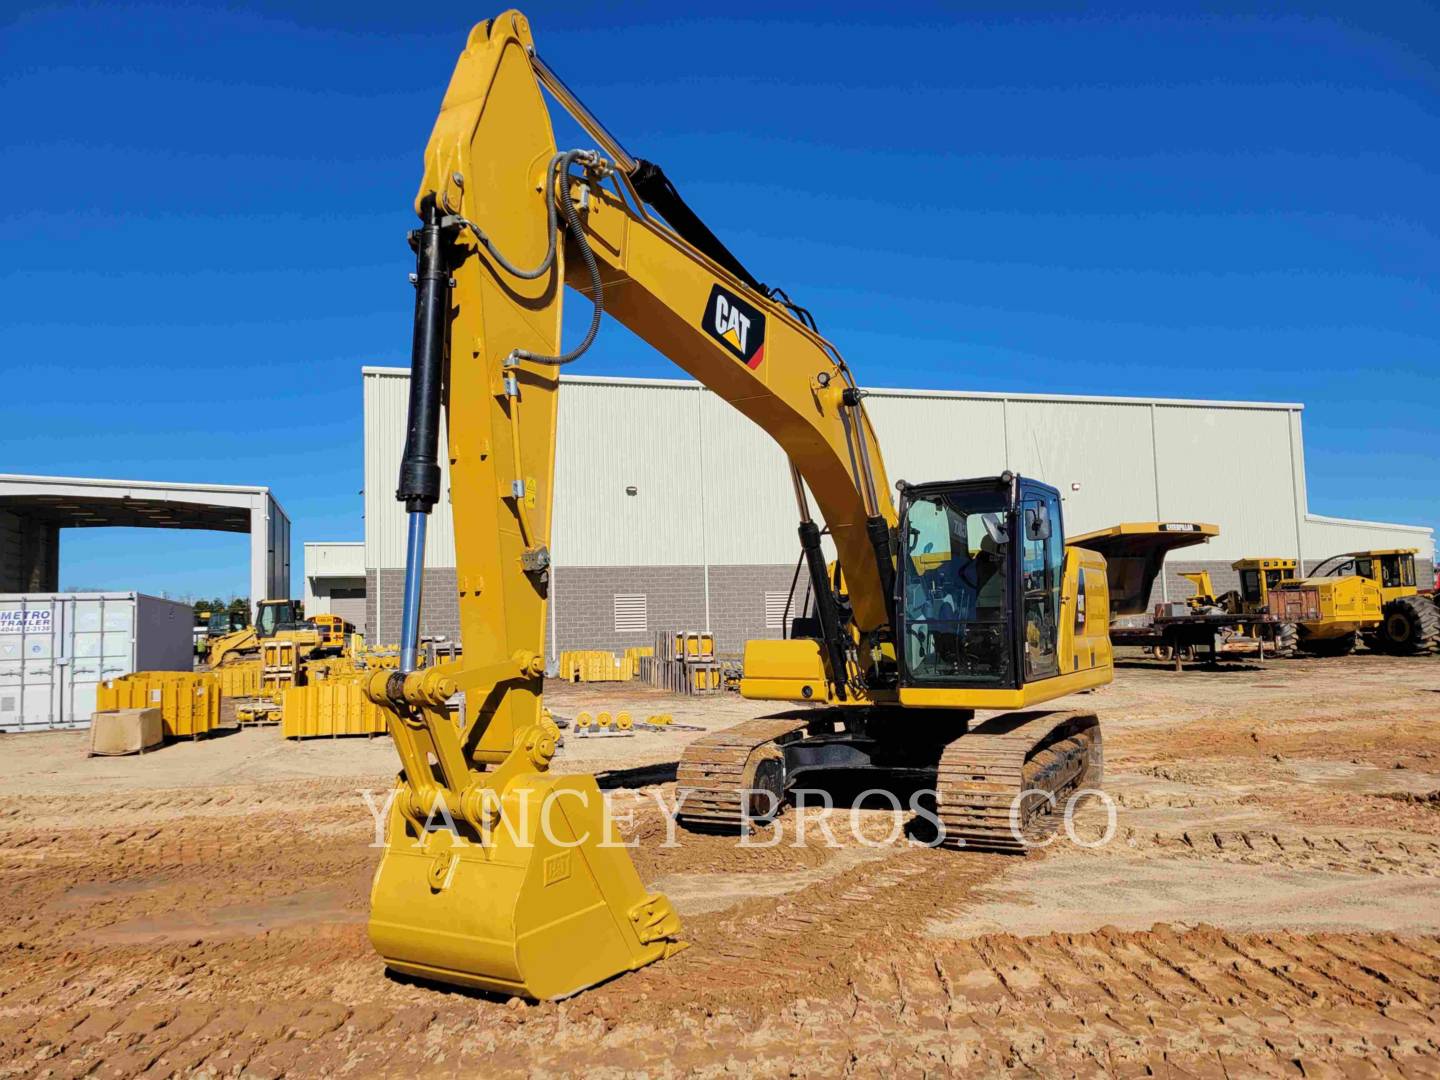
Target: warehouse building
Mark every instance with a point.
(335, 580)
(34, 510)
(674, 511)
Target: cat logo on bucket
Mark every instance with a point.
(736, 325)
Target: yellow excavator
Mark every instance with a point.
(501, 875)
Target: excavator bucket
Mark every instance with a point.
(549, 906)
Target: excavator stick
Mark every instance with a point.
(496, 874)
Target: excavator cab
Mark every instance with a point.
(979, 585)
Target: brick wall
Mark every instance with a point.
(370, 630)
(737, 602)
(385, 600)
(583, 601)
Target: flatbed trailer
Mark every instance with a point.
(1176, 635)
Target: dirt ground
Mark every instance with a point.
(1269, 904)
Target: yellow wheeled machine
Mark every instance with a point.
(1370, 595)
(1257, 577)
(275, 620)
(964, 596)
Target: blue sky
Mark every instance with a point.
(203, 209)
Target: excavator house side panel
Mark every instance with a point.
(789, 670)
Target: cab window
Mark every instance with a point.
(1041, 569)
(953, 589)
(1250, 584)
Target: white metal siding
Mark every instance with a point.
(713, 489)
(750, 513)
(1103, 447)
(387, 399)
(933, 438)
(1233, 468)
(616, 436)
(1332, 536)
(335, 559)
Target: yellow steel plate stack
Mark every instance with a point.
(330, 707)
(189, 703)
(595, 665)
(238, 680)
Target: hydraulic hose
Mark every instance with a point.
(498, 256)
(559, 165)
(587, 256)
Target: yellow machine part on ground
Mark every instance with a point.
(189, 703)
(238, 680)
(329, 667)
(595, 665)
(330, 707)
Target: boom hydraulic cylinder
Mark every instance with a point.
(419, 487)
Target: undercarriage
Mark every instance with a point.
(998, 784)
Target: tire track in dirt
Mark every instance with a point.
(1414, 856)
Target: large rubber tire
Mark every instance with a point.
(1409, 626)
(1286, 640)
(1336, 646)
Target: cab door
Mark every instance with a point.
(1042, 555)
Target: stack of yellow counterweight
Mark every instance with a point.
(189, 703)
(330, 707)
(596, 665)
(238, 680)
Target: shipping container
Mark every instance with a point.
(56, 648)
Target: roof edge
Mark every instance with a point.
(105, 481)
(902, 392)
(1356, 523)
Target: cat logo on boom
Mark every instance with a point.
(736, 325)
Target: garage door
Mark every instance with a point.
(349, 604)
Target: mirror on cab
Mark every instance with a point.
(1037, 522)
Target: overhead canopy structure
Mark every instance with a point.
(33, 510)
(1135, 553)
